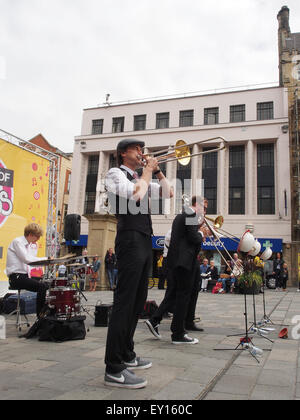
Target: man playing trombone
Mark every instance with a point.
(128, 198)
(188, 231)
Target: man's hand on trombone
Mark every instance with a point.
(205, 230)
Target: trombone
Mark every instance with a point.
(181, 151)
(217, 224)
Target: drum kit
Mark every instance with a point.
(64, 293)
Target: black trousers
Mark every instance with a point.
(134, 259)
(278, 279)
(162, 274)
(33, 284)
(168, 303)
(186, 285)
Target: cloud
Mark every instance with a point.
(64, 55)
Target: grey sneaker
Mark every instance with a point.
(153, 328)
(138, 363)
(124, 379)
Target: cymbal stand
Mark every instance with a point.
(266, 319)
(84, 297)
(254, 327)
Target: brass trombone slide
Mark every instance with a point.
(218, 222)
(181, 151)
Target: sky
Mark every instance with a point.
(58, 57)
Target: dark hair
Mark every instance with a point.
(120, 158)
(198, 199)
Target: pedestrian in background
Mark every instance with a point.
(110, 265)
(284, 276)
(95, 273)
(277, 266)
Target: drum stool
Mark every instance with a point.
(17, 312)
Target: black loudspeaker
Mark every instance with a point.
(72, 227)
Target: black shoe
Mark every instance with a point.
(193, 327)
(153, 328)
(185, 340)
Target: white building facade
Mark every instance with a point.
(248, 183)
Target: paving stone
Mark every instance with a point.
(85, 393)
(232, 384)
(221, 396)
(74, 370)
(179, 390)
(279, 377)
(267, 392)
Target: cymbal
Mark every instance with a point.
(48, 261)
(76, 265)
(42, 262)
(88, 256)
(67, 256)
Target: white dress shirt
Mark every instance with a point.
(19, 255)
(167, 243)
(117, 183)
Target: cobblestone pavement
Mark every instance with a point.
(34, 370)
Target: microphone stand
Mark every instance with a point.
(246, 339)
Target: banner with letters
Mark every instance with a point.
(24, 187)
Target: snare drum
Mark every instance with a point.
(65, 301)
(59, 282)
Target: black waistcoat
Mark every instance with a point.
(131, 215)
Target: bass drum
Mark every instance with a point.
(64, 301)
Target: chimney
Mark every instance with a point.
(284, 19)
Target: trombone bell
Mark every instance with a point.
(182, 153)
(218, 221)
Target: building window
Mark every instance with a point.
(89, 203)
(97, 127)
(186, 118)
(118, 125)
(65, 211)
(68, 182)
(265, 111)
(210, 178)
(158, 203)
(237, 113)
(298, 72)
(211, 116)
(162, 120)
(237, 200)
(93, 165)
(183, 185)
(139, 122)
(236, 180)
(91, 184)
(112, 161)
(265, 179)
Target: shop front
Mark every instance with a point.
(209, 248)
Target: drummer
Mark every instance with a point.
(19, 255)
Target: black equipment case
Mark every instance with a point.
(102, 314)
(27, 303)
